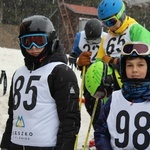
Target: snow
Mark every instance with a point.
(12, 59)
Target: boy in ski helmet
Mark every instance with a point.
(121, 29)
(85, 49)
(87, 43)
(124, 120)
(42, 113)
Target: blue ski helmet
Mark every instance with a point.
(109, 8)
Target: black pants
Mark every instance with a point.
(89, 104)
(18, 147)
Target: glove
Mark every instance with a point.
(115, 64)
(84, 59)
(72, 59)
(112, 61)
(107, 59)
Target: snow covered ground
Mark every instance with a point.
(10, 60)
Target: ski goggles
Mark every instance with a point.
(110, 21)
(37, 40)
(93, 41)
(138, 48)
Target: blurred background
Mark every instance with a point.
(68, 17)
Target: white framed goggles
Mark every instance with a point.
(138, 48)
(93, 41)
(37, 40)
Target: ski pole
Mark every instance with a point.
(82, 87)
(80, 101)
(3, 79)
(92, 118)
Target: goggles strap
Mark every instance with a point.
(119, 15)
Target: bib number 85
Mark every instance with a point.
(17, 95)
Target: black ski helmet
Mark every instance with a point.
(93, 29)
(38, 24)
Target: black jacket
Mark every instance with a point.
(66, 102)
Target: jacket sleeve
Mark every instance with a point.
(139, 33)
(6, 138)
(75, 47)
(101, 134)
(66, 93)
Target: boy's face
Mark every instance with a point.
(136, 68)
(34, 51)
